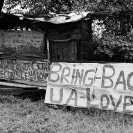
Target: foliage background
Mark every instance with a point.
(116, 41)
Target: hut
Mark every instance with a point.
(70, 36)
(27, 44)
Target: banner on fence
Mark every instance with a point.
(113, 87)
(67, 83)
(104, 86)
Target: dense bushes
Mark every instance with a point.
(114, 45)
(114, 49)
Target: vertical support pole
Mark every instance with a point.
(47, 42)
(48, 51)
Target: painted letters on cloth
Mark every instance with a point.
(69, 83)
(104, 86)
(113, 88)
(24, 71)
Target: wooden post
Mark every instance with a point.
(47, 42)
(48, 54)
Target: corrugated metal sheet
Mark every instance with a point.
(55, 18)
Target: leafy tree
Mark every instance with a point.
(116, 44)
(39, 7)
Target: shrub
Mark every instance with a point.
(113, 48)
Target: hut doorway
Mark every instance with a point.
(64, 50)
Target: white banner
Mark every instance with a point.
(104, 86)
(113, 87)
(69, 83)
(72, 74)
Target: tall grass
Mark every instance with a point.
(24, 116)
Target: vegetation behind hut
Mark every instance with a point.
(116, 41)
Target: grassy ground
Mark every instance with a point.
(24, 116)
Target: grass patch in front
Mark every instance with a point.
(24, 116)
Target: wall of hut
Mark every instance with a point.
(22, 38)
(70, 41)
(86, 46)
(23, 57)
